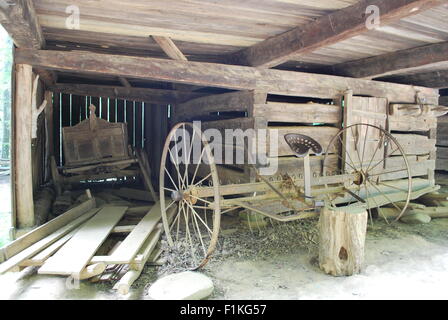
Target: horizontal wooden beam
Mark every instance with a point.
(157, 96)
(434, 79)
(19, 19)
(395, 62)
(329, 29)
(220, 75)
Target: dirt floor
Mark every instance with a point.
(279, 262)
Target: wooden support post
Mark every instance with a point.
(342, 236)
(23, 160)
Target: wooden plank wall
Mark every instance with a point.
(147, 123)
(442, 139)
(415, 128)
(317, 118)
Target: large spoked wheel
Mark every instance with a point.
(379, 164)
(187, 166)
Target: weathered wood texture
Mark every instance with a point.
(342, 238)
(19, 19)
(392, 63)
(218, 75)
(44, 230)
(22, 160)
(169, 48)
(324, 31)
(77, 252)
(432, 79)
(135, 94)
(44, 242)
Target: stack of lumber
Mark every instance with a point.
(86, 242)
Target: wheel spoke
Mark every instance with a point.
(364, 147)
(356, 146)
(385, 196)
(203, 179)
(387, 172)
(208, 228)
(194, 214)
(382, 160)
(393, 187)
(381, 142)
(200, 199)
(347, 153)
(170, 205)
(197, 165)
(169, 175)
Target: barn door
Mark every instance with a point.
(364, 145)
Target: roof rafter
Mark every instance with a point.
(329, 29)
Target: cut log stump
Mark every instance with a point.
(342, 237)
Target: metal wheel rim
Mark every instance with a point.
(216, 219)
(398, 148)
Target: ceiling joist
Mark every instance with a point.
(394, 63)
(327, 30)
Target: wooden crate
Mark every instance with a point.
(413, 126)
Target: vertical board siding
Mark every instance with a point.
(142, 120)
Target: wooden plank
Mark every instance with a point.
(23, 181)
(40, 258)
(442, 153)
(414, 144)
(220, 75)
(393, 63)
(135, 194)
(77, 252)
(409, 123)
(45, 242)
(326, 30)
(44, 230)
(299, 112)
(205, 106)
(169, 48)
(134, 94)
(130, 246)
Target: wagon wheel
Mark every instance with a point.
(376, 158)
(188, 163)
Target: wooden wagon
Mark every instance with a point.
(365, 166)
(97, 150)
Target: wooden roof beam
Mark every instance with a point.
(19, 19)
(217, 75)
(157, 96)
(394, 63)
(324, 31)
(434, 79)
(170, 48)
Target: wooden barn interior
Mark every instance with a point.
(136, 69)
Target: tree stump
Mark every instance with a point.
(342, 237)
